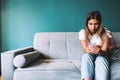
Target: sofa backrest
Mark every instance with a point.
(62, 45)
(65, 45)
(116, 38)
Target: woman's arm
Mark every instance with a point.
(89, 49)
(84, 46)
(96, 49)
(105, 45)
(101, 49)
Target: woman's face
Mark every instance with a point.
(93, 25)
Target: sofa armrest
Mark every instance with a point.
(23, 60)
(7, 57)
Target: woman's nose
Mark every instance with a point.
(93, 26)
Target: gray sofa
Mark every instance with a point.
(53, 56)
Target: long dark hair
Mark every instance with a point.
(100, 31)
(94, 15)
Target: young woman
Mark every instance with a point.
(94, 39)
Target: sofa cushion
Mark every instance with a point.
(116, 39)
(115, 54)
(23, 60)
(75, 50)
(48, 70)
(60, 45)
(115, 70)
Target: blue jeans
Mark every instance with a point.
(94, 67)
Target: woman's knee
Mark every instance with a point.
(101, 67)
(87, 57)
(100, 60)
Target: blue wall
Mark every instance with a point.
(21, 19)
(0, 25)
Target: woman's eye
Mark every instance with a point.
(96, 24)
(90, 23)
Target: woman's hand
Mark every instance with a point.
(90, 48)
(94, 49)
